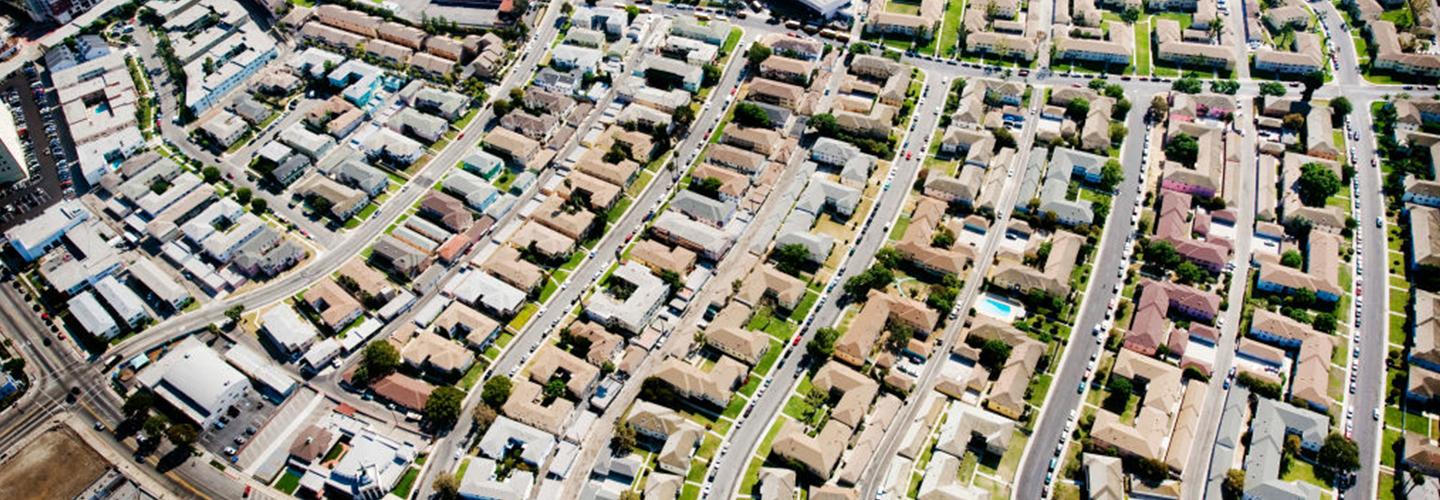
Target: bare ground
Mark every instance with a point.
(57, 464)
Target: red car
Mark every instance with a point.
(797, 340)
(909, 155)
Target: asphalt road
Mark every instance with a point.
(602, 257)
(356, 240)
(766, 404)
(1110, 261)
(1374, 312)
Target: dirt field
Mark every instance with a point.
(55, 465)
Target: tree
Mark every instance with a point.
(138, 403)
(1276, 89)
(1004, 139)
(1229, 87)
(442, 408)
(447, 486)
(749, 114)
(1317, 184)
(243, 195)
(211, 174)
(1188, 85)
(1292, 258)
(1151, 469)
(942, 238)
(1120, 387)
(757, 54)
(708, 187)
(1117, 132)
(1111, 174)
(631, 12)
(182, 435)
(994, 353)
(1077, 109)
(899, 338)
(1311, 81)
(1341, 106)
(1130, 15)
(1183, 148)
(889, 257)
(1292, 444)
(823, 345)
(321, 204)
(1234, 485)
(259, 205)
(1187, 273)
(1293, 121)
(874, 278)
(1159, 106)
(1339, 453)
(496, 391)
(1324, 322)
(623, 440)
(824, 124)
(711, 75)
(1162, 254)
(791, 259)
(379, 360)
(482, 417)
(555, 388)
(233, 313)
(155, 426)
(683, 116)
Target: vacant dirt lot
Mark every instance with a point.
(55, 465)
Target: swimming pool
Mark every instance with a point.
(999, 308)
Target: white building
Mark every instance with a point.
(196, 381)
(287, 331)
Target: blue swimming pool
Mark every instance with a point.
(998, 308)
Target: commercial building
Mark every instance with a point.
(196, 381)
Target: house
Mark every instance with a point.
(483, 164)
(286, 331)
(727, 334)
(880, 310)
(92, 316)
(704, 209)
(552, 363)
(336, 308)
(447, 211)
(400, 257)
(1150, 325)
(766, 283)
(535, 127)
(706, 241)
(361, 176)
(434, 354)
(1321, 275)
(411, 121)
(507, 264)
(1273, 423)
(342, 201)
(713, 388)
(778, 67)
(124, 301)
(778, 93)
(225, 128)
(631, 299)
(671, 72)
(816, 455)
(1055, 276)
(405, 392)
(392, 148)
(512, 145)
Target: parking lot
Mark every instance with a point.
(237, 426)
(46, 142)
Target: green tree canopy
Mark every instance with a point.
(1183, 149)
(791, 259)
(823, 344)
(1276, 89)
(1317, 184)
(496, 391)
(1111, 174)
(443, 407)
(1339, 453)
(994, 353)
(750, 114)
(758, 53)
(1292, 258)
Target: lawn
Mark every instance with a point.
(765, 319)
(1301, 470)
(1011, 460)
(949, 31)
(1387, 447)
(472, 376)
(407, 481)
(1387, 486)
(523, 317)
(768, 360)
(803, 308)
(901, 225)
(1397, 330)
(731, 41)
(288, 482)
(618, 210)
(1039, 387)
(902, 7)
